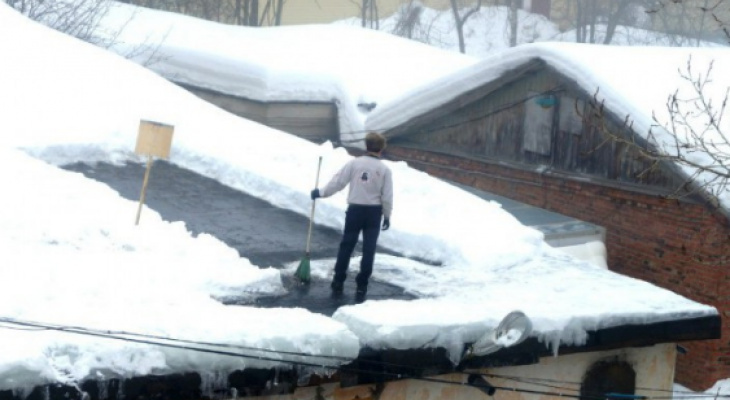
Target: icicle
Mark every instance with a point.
(103, 387)
(211, 382)
(22, 392)
(556, 345)
(120, 389)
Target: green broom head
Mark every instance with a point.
(303, 271)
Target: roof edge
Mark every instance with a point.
(373, 366)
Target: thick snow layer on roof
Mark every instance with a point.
(76, 259)
(326, 63)
(633, 82)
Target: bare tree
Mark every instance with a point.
(369, 16)
(81, 19)
(411, 22)
(278, 11)
(698, 20)
(461, 14)
(78, 18)
(590, 13)
(615, 15)
(272, 12)
(513, 21)
(407, 19)
(693, 137)
(237, 12)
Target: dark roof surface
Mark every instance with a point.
(270, 236)
(265, 234)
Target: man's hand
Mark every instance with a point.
(386, 224)
(315, 194)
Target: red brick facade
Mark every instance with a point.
(678, 245)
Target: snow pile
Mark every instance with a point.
(720, 389)
(563, 297)
(317, 63)
(76, 258)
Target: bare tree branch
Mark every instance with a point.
(460, 19)
(692, 137)
(78, 18)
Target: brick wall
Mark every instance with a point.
(678, 245)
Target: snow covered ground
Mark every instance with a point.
(74, 258)
(487, 31)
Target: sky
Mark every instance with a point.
(78, 259)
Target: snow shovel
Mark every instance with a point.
(303, 271)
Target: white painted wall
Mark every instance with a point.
(654, 367)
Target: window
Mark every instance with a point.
(608, 377)
(570, 119)
(539, 111)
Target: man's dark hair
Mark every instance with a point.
(374, 142)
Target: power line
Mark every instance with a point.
(554, 383)
(160, 342)
(158, 337)
(122, 335)
(472, 380)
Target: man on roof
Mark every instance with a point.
(370, 200)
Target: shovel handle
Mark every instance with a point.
(311, 215)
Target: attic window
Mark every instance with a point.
(570, 117)
(608, 377)
(538, 124)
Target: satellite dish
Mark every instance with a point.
(513, 329)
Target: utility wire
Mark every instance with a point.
(88, 332)
(554, 383)
(41, 326)
(123, 334)
(165, 342)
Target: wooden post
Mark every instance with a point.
(154, 139)
(144, 188)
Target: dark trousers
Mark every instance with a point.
(365, 219)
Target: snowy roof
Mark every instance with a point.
(78, 260)
(326, 63)
(634, 82)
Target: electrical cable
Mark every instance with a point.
(546, 382)
(98, 332)
(15, 328)
(88, 332)
(36, 326)
(553, 383)
(157, 337)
